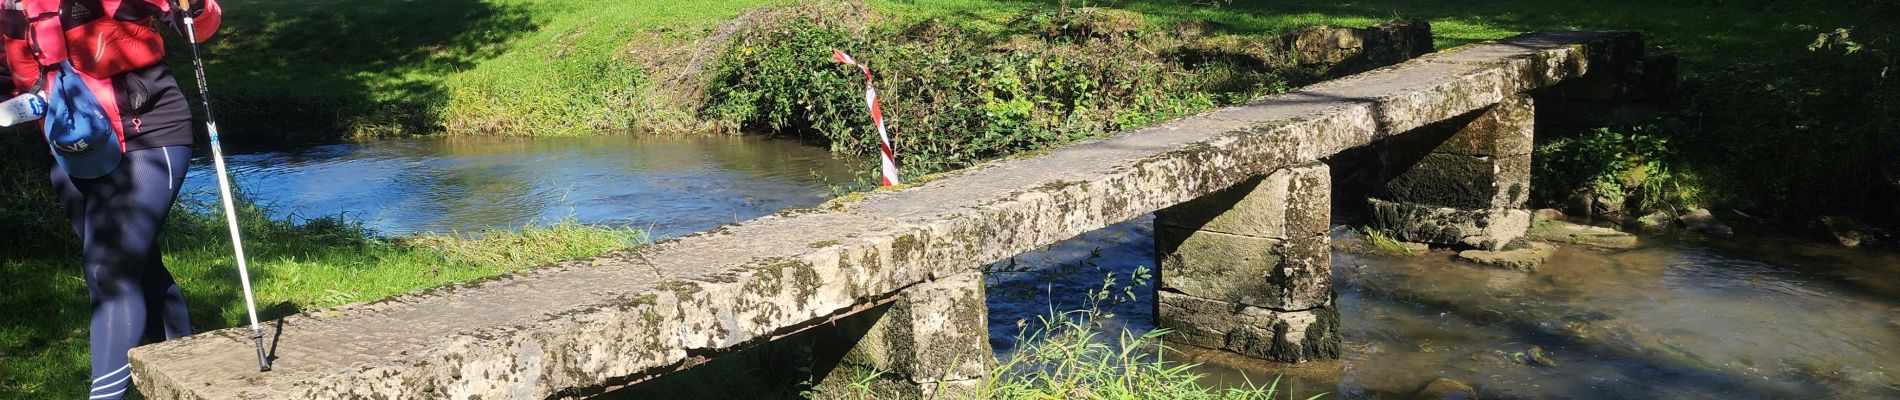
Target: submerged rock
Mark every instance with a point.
(1655, 221)
(1446, 389)
(1547, 214)
(1702, 221)
(1533, 357)
(1536, 357)
(1525, 259)
(1845, 230)
(1564, 232)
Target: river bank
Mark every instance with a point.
(1786, 148)
(1783, 111)
(298, 265)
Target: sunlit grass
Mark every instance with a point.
(294, 266)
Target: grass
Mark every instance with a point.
(1385, 244)
(308, 265)
(1769, 123)
(1070, 355)
(1065, 356)
(296, 71)
(1779, 129)
(1242, 17)
(300, 72)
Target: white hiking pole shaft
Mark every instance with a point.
(224, 190)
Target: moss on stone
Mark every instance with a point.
(906, 246)
(1056, 185)
(684, 289)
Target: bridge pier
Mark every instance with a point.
(932, 342)
(1469, 191)
(1247, 269)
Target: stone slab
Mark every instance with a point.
(1295, 336)
(1462, 181)
(1488, 229)
(562, 330)
(1592, 236)
(1289, 202)
(1505, 130)
(925, 337)
(1525, 259)
(1268, 273)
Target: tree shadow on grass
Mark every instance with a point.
(287, 73)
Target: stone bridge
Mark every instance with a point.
(1242, 197)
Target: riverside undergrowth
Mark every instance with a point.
(960, 95)
(1788, 109)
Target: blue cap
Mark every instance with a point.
(83, 139)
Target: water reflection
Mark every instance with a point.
(670, 185)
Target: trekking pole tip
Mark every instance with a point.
(263, 360)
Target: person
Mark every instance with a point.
(121, 132)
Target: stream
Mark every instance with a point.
(669, 186)
(1677, 317)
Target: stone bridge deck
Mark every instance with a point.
(555, 331)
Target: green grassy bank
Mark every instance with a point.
(1784, 115)
(1765, 124)
(298, 266)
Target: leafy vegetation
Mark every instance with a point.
(965, 95)
(1788, 109)
(1630, 167)
(287, 72)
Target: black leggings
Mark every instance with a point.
(118, 218)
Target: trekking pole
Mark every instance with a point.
(224, 183)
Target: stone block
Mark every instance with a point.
(1396, 41)
(1290, 202)
(1340, 51)
(1506, 129)
(1525, 259)
(936, 335)
(1488, 229)
(1291, 274)
(1326, 45)
(1565, 232)
(1262, 243)
(1464, 182)
(1294, 336)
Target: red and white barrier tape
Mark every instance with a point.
(877, 116)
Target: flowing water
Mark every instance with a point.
(1678, 317)
(1675, 318)
(670, 186)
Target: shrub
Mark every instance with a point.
(955, 96)
(1628, 166)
